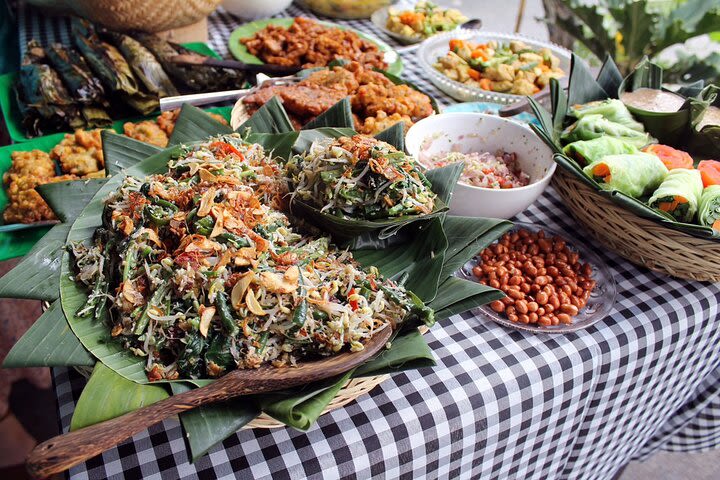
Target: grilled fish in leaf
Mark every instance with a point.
(192, 77)
(145, 65)
(75, 73)
(95, 117)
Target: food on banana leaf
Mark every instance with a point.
(145, 66)
(424, 20)
(671, 157)
(588, 151)
(28, 170)
(200, 274)
(711, 116)
(514, 68)
(710, 172)
(594, 126)
(194, 78)
(709, 210)
(80, 153)
(653, 100)
(632, 174)
(611, 109)
(679, 194)
(360, 178)
(75, 73)
(43, 100)
(147, 131)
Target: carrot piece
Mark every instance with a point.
(456, 44)
(716, 225)
(486, 84)
(479, 53)
(671, 157)
(710, 172)
(601, 170)
(474, 74)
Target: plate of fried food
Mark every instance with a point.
(378, 99)
(66, 157)
(306, 43)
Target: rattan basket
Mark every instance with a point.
(643, 242)
(147, 16)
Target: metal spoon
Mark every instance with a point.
(65, 451)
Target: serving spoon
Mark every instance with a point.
(67, 450)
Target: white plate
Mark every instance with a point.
(380, 17)
(437, 46)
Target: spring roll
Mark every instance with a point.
(596, 126)
(709, 210)
(679, 194)
(632, 174)
(588, 151)
(611, 109)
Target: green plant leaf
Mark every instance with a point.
(582, 87)
(338, 116)
(209, 425)
(280, 144)
(444, 180)
(456, 295)
(594, 17)
(270, 118)
(193, 125)
(610, 77)
(637, 25)
(408, 351)
(124, 151)
(307, 137)
(301, 410)
(107, 395)
(38, 273)
(394, 135)
(49, 342)
(422, 260)
(574, 27)
(688, 20)
(67, 199)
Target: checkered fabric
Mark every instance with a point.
(500, 404)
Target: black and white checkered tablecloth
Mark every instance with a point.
(499, 403)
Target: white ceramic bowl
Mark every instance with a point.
(437, 46)
(252, 9)
(469, 132)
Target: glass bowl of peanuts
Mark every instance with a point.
(550, 285)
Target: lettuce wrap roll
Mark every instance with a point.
(634, 174)
(709, 211)
(611, 109)
(679, 194)
(588, 151)
(596, 126)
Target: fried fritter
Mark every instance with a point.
(371, 99)
(337, 78)
(35, 163)
(381, 122)
(146, 131)
(80, 153)
(25, 205)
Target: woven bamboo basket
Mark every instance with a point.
(154, 16)
(643, 242)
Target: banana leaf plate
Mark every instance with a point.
(11, 113)
(240, 51)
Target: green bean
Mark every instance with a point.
(130, 260)
(221, 302)
(156, 298)
(235, 240)
(263, 341)
(300, 313)
(205, 225)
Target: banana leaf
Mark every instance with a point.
(270, 118)
(108, 395)
(209, 425)
(338, 116)
(409, 351)
(705, 141)
(67, 199)
(193, 124)
(394, 135)
(49, 342)
(456, 295)
(144, 65)
(72, 68)
(279, 145)
(307, 137)
(122, 152)
(583, 89)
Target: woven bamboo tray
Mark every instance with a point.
(643, 242)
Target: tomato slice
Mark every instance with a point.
(710, 172)
(226, 149)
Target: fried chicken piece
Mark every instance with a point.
(337, 78)
(371, 99)
(80, 153)
(35, 163)
(166, 120)
(146, 131)
(25, 205)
